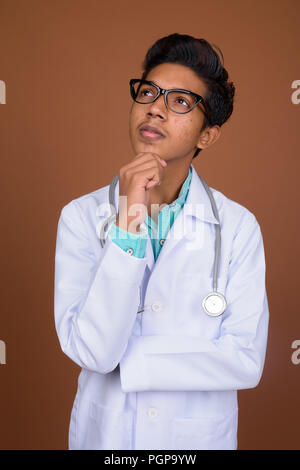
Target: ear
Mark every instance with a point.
(209, 136)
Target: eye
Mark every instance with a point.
(183, 99)
(144, 91)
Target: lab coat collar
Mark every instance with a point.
(198, 200)
(197, 208)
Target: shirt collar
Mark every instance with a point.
(177, 202)
(194, 198)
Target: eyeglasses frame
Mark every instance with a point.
(163, 91)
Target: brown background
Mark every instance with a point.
(64, 133)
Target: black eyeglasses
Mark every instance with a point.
(177, 100)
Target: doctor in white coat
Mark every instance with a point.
(157, 370)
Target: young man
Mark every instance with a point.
(160, 368)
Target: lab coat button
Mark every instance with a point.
(152, 412)
(156, 307)
(161, 242)
(129, 250)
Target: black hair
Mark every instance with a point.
(199, 56)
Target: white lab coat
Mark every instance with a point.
(165, 378)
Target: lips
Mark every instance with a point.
(150, 133)
(151, 129)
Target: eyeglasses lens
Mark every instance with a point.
(178, 102)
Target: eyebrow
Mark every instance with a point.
(173, 88)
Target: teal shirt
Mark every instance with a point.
(136, 244)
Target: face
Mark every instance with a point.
(181, 131)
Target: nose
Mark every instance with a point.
(158, 106)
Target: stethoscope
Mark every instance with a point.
(214, 304)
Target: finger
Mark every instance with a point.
(151, 174)
(164, 163)
(145, 165)
(151, 154)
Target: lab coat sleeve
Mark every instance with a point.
(232, 361)
(95, 301)
(136, 241)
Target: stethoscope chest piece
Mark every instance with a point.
(214, 304)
